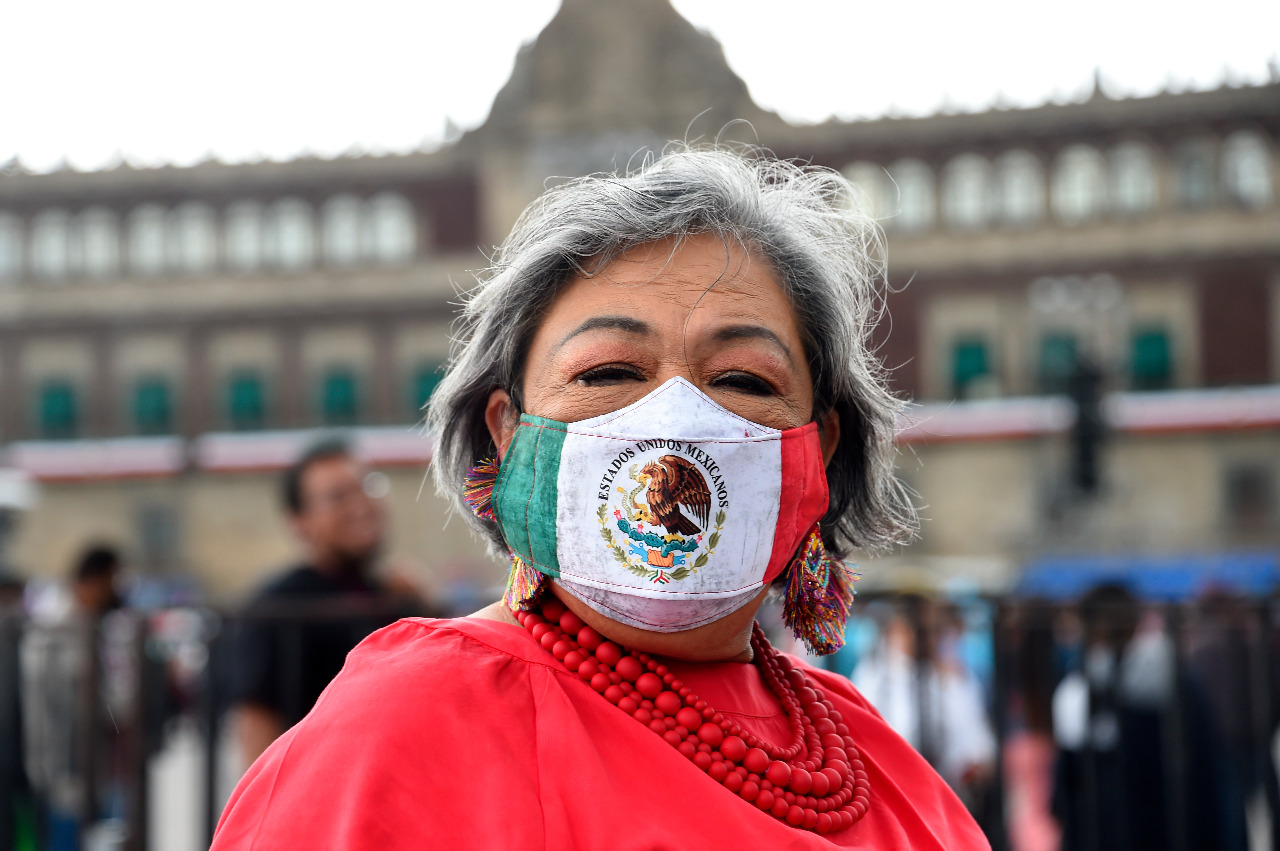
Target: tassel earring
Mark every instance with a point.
(819, 594)
(524, 584)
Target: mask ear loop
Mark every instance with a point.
(524, 584)
(819, 595)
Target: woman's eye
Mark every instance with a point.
(743, 382)
(609, 374)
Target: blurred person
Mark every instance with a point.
(1140, 761)
(661, 403)
(294, 635)
(928, 696)
(78, 696)
(16, 806)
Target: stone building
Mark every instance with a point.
(169, 336)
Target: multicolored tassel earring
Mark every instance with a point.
(819, 594)
(524, 584)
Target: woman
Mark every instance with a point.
(660, 405)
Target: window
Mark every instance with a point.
(425, 382)
(874, 185)
(1079, 184)
(389, 229)
(246, 401)
(966, 192)
(969, 364)
(1133, 178)
(915, 195)
(244, 225)
(1057, 362)
(1193, 170)
(290, 236)
(342, 230)
(1246, 169)
(51, 244)
(192, 245)
(1249, 498)
(147, 239)
(1019, 189)
(10, 247)
(1150, 359)
(339, 398)
(152, 411)
(100, 242)
(58, 411)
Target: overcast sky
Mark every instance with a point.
(159, 81)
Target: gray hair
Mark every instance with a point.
(805, 220)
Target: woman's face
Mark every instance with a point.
(709, 313)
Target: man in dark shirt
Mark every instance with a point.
(294, 636)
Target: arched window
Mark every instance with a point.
(1195, 184)
(290, 238)
(10, 247)
(193, 238)
(100, 242)
(340, 398)
(147, 239)
(915, 195)
(876, 190)
(51, 244)
(341, 229)
(1133, 178)
(966, 192)
(1246, 169)
(57, 410)
(1019, 188)
(246, 400)
(390, 232)
(243, 233)
(152, 406)
(1079, 184)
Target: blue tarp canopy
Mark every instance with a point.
(1164, 577)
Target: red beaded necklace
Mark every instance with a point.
(818, 782)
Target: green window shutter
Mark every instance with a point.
(425, 382)
(152, 411)
(1057, 362)
(246, 401)
(1151, 359)
(339, 398)
(59, 411)
(969, 361)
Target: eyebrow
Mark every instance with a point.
(627, 324)
(748, 332)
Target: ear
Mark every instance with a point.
(501, 418)
(829, 435)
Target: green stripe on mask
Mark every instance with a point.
(525, 497)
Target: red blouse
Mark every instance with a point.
(468, 734)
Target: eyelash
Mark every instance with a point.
(743, 382)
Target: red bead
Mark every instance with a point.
(687, 749)
(573, 659)
(589, 638)
(628, 705)
(611, 654)
(600, 682)
(561, 649)
(589, 669)
(846, 819)
(832, 740)
(649, 685)
(756, 760)
(779, 773)
(703, 747)
(816, 711)
(842, 729)
(780, 806)
(658, 727)
(810, 819)
(612, 693)
(834, 780)
(549, 639)
(733, 748)
(689, 717)
(764, 800)
(749, 791)
(824, 823)
(643, 715)
(824, 725)
(732, 781)
(571, 623)
(538, 631)
(667, 701)
(627, 667)
(795, 816)
(701, 760)
(711, 734)
(661, 670)
(835, 755)
(801, 781)
(673, 738)
(718, 771)
(820, 785)
(553, 609)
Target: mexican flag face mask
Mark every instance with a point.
(665, 515)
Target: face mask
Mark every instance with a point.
(665, 515)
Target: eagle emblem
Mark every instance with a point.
(672, 482)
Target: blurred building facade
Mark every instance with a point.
(169, 335)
